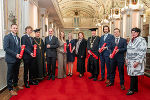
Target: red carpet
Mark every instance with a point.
(75, 88)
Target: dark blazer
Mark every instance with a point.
(51, 52)
(108, 41)
(25, 40)
(11, 48)
(82, 49)
(122, 46)
(95, 48)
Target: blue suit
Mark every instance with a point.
(12, 48)
(118, 60)
(104, 56)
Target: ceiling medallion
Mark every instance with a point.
(76, 12)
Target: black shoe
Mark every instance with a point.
(130, 93)
(91, 77)
(33, 83)
(133, 90)
(68, 74)
(109, 84)
(94, 79)
(49, 77)
(81, 75)
(53, 77)
(71, 75)
(36, 81)
(27, 85)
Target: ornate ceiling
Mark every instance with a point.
(95, 9)
(92, 8)
(87, 8)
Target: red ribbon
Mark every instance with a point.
(34, 51)
(101, 49)
(92, 55)
(65, 47)
(70, 47)
(22, 51)
(114, 52)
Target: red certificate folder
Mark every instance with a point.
(22, 51)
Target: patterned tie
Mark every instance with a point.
(117, 41)
(16, 40)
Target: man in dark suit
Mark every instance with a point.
(118, 59)
(12, 48)
(27, 40)
(51, 43)
(104, 55)
(93, 62)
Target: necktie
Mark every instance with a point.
(16, 40)
(105, 37)
(117, 41)
(50, 38)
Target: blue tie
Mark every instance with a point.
(50, 38)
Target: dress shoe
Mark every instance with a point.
(13, 93)
(53, 77)
(133, 90)
(27, 85)
(94, 79)
(107, 81)
(101, 79)
(91, 77)
(36, 81)
(81, 75)
(18, 88)
(122, 87)
(49, 77)
(109, 84)
(130, 93)
(71, 74)
(68, 74)
(33, 83)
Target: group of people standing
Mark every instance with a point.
(93, 49)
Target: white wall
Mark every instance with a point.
(1, 24)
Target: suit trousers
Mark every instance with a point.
(105, 59)
(51, 65)
(28, 68)
(114, 64)
(12, 74)
(134, 83)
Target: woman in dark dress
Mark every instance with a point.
(39, 61)
(81, 53)
(70, 55)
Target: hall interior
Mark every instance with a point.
(74, 16)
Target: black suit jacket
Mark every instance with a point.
(82, 49)
(122, 46)
(11, 48)
(51, 52)
(95, 47)
(25, 40)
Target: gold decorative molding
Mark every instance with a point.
(136, 10)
